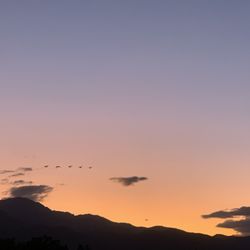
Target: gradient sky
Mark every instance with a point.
(155, 88)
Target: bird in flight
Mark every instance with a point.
(70, 166)
(46, 166)
(58, 166)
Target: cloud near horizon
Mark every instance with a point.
(233, 219)
(33, 192)
(224, 214)
(128, 181)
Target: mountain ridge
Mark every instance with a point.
(23, 219)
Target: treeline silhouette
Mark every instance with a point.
(39, 243)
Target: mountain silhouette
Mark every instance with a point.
(24, 219)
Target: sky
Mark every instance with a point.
(153, 89)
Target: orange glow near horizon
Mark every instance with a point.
(173, 196)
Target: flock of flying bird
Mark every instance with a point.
(125, 181)
(70, 166)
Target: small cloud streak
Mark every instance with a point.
(5, 171)
(17, 175)
(128, 181)
(25, 169)
(232, 221)
(17, 171)
(32, 192)
(21, 182)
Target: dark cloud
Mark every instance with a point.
(17, 175)
(224, 214)
(21, 182)
(5, 171)
(237, 219)
(128, 181)
(33, 192)
(240, 226)
(24, 169)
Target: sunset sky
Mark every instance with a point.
(147, 88)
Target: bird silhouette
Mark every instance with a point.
(70, 166)
(58, 166)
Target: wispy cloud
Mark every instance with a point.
(17, 175)
(24, 169)
(21, 182)
(16, 172)
(5, 171)
(128, 181)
